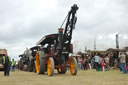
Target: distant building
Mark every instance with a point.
(126, 48)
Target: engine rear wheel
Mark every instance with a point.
(34, 67)
(30, 66)
(50, 66)
(73, 66)
(25, 67)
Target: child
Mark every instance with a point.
(127, 66)
(103, 64)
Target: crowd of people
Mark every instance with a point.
(104, 62)
(99, 62)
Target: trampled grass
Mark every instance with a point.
(90, 77)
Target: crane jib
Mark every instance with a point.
(67, 35)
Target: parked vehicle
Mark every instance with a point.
(54, 49)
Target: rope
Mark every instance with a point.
(64, 21)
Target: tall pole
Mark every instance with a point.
(117, 41)
(85, 48)
(95, 45)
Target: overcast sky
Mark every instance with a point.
(24, 22)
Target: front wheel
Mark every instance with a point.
(40, 66)
(50, 66)
(73, 66)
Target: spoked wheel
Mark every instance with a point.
(20, 66)
(73, 66)
(34, 67)
(50, 66)
(37, 63)
(40, 66)
(25, 67)
(30, 66)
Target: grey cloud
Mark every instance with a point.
(24, 22)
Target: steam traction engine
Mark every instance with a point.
(53, 50)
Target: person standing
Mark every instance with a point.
(89, 62)
(96, 57)
(103, 65)
(6, 60)
(82, 63)
(86, 63)
(100, 64)
(122, 57)
(92, 63)
(79, 63)
(13, 65)
(107, 59)
(115, 63)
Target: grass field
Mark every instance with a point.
(90, 77)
